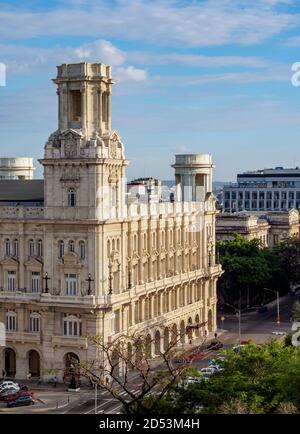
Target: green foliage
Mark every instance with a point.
(257, 380)
(249, 267)
(296, 311)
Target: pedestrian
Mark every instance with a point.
(216, 334)
(39, 380)
(3, 374)
(55, 381)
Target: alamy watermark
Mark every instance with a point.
(2, 335)
(2, 74)
(296, 76)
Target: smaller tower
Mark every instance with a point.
(16, 168)
(193, 176)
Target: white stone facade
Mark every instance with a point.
(149, 265)
(16, 168)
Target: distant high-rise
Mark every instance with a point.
(264, 190)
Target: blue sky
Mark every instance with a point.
(210, 76)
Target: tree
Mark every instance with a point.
(288, 252)
(257, 380)
(128, 361)
(246, 268)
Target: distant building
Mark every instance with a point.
(248, 226)
(144, 190)
(16, 168)
(264, 190)
(270, 228)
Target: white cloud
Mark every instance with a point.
(101, 51)
(194, 24)
(130, 73)
(28, 60)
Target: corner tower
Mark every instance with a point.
(193, 176)
(84, 162)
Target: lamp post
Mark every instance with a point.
(46, 278)
(96, 390)
(277, 297)
(89, 280)
(110, 279)
(239, 312)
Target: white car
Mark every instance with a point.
(7, 384)
(207, 372)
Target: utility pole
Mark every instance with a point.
(278, 307)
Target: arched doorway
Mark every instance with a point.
(115, 363)
(190, 331)
(182, 332)
(209, 321)
(10, 362)
(71, 361)
(148, 347)
(166, 338)
(34, 363)
(157, 343)
(174, 334)
(197, 331)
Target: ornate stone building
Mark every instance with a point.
(86, 263)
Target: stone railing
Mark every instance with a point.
(21, 212)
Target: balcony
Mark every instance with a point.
(23, 337)
(70, 341)
(20, 296)
(91, 301)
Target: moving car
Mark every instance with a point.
(215, 345)
(262, 309)
(21, 400)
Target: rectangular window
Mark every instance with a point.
(11, 280)
(11, 322)
(34, 325)
(35, 281)
(71, 284)
(75, 105)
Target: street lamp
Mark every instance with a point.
(89, 280)
(239, 312)
(46, 278)
(277, 294)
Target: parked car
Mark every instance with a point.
(21, 400)
(13, 396)
(6, 384)
(262, 309)
(207, 372)
(238, 348)
(9, 391)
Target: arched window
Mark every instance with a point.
(72, 198)
(15, 248)
(82, 249)
(11, 321)
(71, 246)
(40, 248)
(104, 107)
(71, 325)
(7, 247)
(61, 249)
(34, 322)
(31, 248)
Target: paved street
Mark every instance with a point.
(255, 326)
